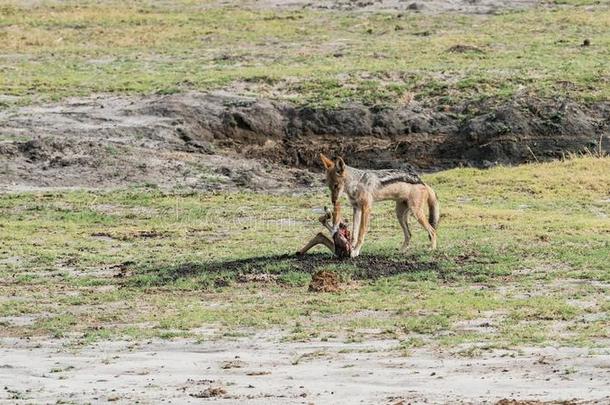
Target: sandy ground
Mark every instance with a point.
(422, 6)
(263, 370)
(107, 142)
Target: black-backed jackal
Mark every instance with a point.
(363, 187)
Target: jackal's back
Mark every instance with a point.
(390, 176)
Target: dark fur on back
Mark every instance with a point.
(387, 177)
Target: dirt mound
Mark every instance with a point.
(324, 281)
(478, 134)
(210, 141)
(473, 134)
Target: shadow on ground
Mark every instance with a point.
(363, 267)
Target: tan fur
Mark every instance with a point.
(363, 189)
(412, 198)
(333, 178)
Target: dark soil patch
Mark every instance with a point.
(210, 392)
(257, 278)
(121, 270)
(464, 48)
(130, 235)
(264, 268)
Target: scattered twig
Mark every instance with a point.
(532, 152)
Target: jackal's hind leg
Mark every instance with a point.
(319, 239)
(402, 214)
(421, 218)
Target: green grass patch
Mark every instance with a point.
(57, 49)
(519, 247)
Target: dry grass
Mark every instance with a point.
(58, 49)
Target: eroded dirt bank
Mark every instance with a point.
(208, 141)
(263, 370)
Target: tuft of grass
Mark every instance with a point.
(295, 278)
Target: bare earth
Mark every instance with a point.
(109, 142)
(423, 6)
(265, 370)
(218, 140)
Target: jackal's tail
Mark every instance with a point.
(434, 212)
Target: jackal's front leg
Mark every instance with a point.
(356, 225)
(364, 220)
(324, 220)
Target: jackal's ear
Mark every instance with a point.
(328, 164)
(340, 165)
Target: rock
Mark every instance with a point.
(415, 6)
